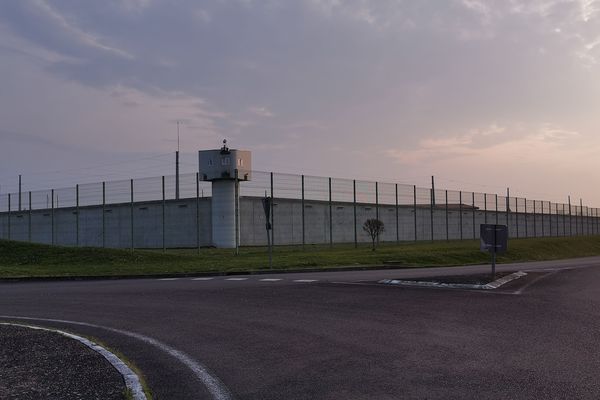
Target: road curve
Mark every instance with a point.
(339, 335)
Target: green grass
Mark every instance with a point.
(19, 259)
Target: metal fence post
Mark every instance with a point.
(582, 217)
(550, 216)
(584, 220)
(570, 218)
(272, 214)
(377, 200)
(447, 227)
(431, 205)
(19, 209)
(557, 220)
(354, 204)
(397, 222)
(578, 221)
(77, 215)
(473, 196)
(237, 212)
(587, 220)
(103, 214)
(526, 222)
(131, 208)
(330, 216)
(485, 213)
(517, 215)
(164, 247)
(198, 212)
(29, 219)
(542, 217)
(52, 216)
(460, 210)
(553, 232)
(508, 210)
(303, 216)
(377, 204)
(534, 220)
(564, 220)
(8, 216)
(415, 210)
(496, 197)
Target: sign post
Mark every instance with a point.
(494, 239)
(266, 202)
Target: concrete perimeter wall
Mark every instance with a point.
(187, 223)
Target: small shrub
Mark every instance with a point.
(374, 228)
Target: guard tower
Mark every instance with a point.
(225, 168)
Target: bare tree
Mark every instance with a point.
(374, 228)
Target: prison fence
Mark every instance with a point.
(159, 213)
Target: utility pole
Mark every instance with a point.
(177, 166)
(19, 192)
(433, 191)
(432, 205)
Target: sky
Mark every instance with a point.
(483, 95)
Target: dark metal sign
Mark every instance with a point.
(266, 202)
(494, 238)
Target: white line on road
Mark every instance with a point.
(213, 384)
(167, 279)
(306, 280)
(202, 279)
(236, 279)
(270, 280)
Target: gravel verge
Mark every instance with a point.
(36, 364)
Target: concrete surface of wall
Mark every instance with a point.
(322, 223)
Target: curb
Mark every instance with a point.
(132, 380)
(492, 285)
(208, 274)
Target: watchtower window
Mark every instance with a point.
(225, 161)
(210, 162)
(240, 162)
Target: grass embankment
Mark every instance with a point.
(33, 260)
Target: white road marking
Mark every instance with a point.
(306, 280)
(236, 279)
(270, 280)
(167, 279)
(213, 384)
(132, 381)
(202, 279)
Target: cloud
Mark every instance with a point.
(78, 34)
(414, 76)
(261, 112)
(493, 144)
(589, 9)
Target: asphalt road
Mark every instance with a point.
(340, 335)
